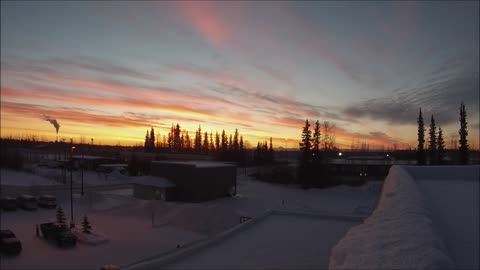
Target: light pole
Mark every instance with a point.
(82, 164)
(72, 225)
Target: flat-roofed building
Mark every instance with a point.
(197, 181)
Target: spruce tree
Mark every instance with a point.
(271, 155)
(235, 141)
(147, 142)
(177, 139)
(306, 144)
(463, 132)
(205, 143)
(441, 147)
(152, 140)
(421, 140)
(432, 142)
(217, 141)
(316, 140)
(198, 140)
(60, 216)
(86, 227)
(224, 142)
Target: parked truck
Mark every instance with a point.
(59, 233)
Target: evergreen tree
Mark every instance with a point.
(236, 146)
(224, 142)
(271, 156)
(432, 142)
(177, 140)
(152, 140)
(182, 142)
(441, 147)
(198, 140)
(241, 146)
(217, 141)
(147, 142)
(316, 141)
(230, 142)
(421, 139)
(60, 216)
(212, 145)
(86, 227)
(463, 132)
(205, 143)
(257, 152)
(188, 142)
(265, 152)
(170, 141)
(306, 144)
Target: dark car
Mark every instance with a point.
(47, 201)
(27, 202)
(59, 233)
(8, 203)
(9, 244)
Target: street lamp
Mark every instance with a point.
(340, 154)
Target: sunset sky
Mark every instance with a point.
(110, 70)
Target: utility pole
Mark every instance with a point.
(82, 164)
(72, 225)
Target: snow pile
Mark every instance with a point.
(93, 238)
(398, 235)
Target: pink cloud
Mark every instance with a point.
(205, 18)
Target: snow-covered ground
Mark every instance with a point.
(127, 222)
(19, 178)
(428, 221)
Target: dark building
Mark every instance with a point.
(197, 181)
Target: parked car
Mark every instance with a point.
(59, 233)
(8, 203)
(9, 244)
(27, 202)
(47, 201)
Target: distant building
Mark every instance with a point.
(193, 181)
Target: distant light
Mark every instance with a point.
(388, 155)
(340, 154)
(361, 174)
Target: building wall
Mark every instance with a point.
(146, 192)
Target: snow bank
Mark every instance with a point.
(398, 235)
(94, 238)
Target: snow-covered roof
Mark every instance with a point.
(276, 240)
(154, 181)
(198, 163)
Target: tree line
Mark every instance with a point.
(223, 146)
(436, 143)
(314, 147)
